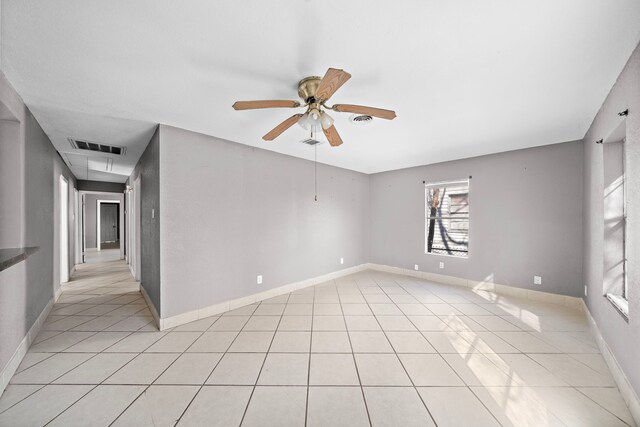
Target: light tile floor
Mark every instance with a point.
(94, 256)
(367, 349)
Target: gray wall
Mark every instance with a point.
(525, 218)
(231, 212)
(11, 166)
(107, 187)
(148, 170)
(91, 217)
(27, 287)
(622, 337)
(43, 168)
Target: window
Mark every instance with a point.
(447, 218)
(615, 219)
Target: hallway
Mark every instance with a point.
(366, 349)
(104, 255)
(99, 307)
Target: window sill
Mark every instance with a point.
(621, 304)
(449, 256)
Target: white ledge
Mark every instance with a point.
(621, 304)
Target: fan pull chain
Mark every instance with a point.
(315, 170)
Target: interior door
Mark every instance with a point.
(108, 222)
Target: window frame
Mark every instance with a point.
(620, 301)
(447, 183)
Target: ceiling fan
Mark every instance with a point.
(315, 92)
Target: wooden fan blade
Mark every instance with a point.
(332, 136)
(331, 82)
(254, 105)
(361, 109)
(276, 131)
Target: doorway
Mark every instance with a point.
(108, 225)
(64, 230)
(102, 228)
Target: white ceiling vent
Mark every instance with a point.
(311, 141)
(100, 148)
(360, 119)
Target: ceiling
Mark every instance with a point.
(466, 78)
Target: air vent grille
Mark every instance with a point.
(311, 141)
(360, 118)
(92, 146)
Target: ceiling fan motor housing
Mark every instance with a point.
(307, 88)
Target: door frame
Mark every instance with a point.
(136, 234)
(64, 229)
(76, 224)
(98, 213)
(127, 226)
(117, 198)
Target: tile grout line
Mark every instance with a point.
(244, 414)
(204, 384)
(52, 382)
(456, 372)
(147, 386)
(589, 397)
(313, 309)
(210, 373)
(95, 332)
(64, 373)
(353, 356)
(396, 353)
(464, 382)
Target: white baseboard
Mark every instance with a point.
(565, 300)
(192, 316)
(152, 308)
(57, 294)
(11, 367)
(627, 392)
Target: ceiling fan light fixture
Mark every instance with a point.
(311, 120)
(304, 121)
(326, 120)
(314, 113)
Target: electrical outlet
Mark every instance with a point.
(537, 280)
(585, 290)
(341, 260)
(415, 267)
(259, 279)
(441, 264)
